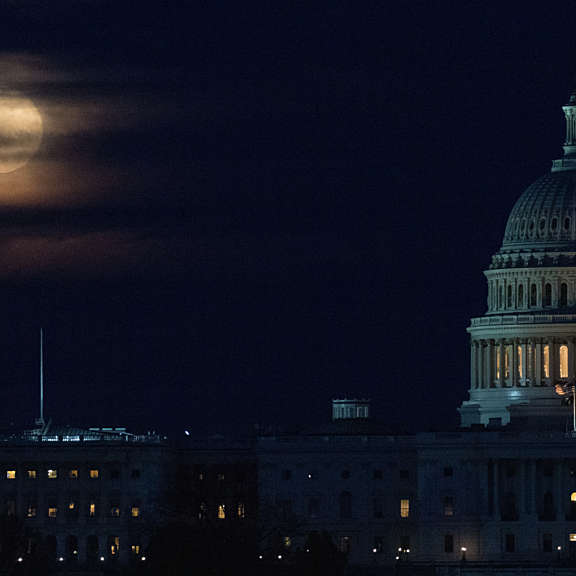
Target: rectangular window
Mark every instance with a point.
(448, 508)
(572, 537)
(71, 505)
(287, 541)
(547, 543)
(10, 474)
(31, 474)
(52, 511)
(52, 473)
(11, 507)
(546, 360)
(135, 511)
(377, 474)
(448, 472)
(378, 507)
(31, 510)
(510, 543)
(404, 508)
(114, 543)
(343, 544)
(520, 352)
(241, 510)
(286, 474)
(497, 371)
(94, 473)
(135, 549)
(135, 473)
(73, 474)
(313, 507)
(221, 511)
(115, 510)
(378, 545)
(404, 474)
(448, 543)
(92, 509)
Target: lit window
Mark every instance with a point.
(343, 544)
(52, 511)
(73, 474)
(572, 537)
(520, 363)
(202, 511)
(507, 354)
(114, 545)
(404, 508)
(287, 541)
(94, 473)
(92, 509)
(241, 510)
(221, 511)
(135, 511)
(52, 473)
(497, 365)
(31, 511)
(11, 474)
(546, 359)
(71, 505)
(135, 549)
(31, 474)
(115, 511)
(573, 497)
(563, 361)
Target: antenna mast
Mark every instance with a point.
(41, 376)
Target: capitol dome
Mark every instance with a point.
(544, 217)
(524, 347)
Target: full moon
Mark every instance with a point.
(20, 131)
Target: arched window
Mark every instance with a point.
(548, 294)
(563, 294)
(509, 297)
(520, 352)
(563, 354)
(507, 354)
(533, 295)
(520, 303)
(345, 505)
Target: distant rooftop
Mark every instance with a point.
(49, 432)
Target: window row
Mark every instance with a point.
(96, 548)
(71, 509)
(505, 295)
(313, 506)
(70, 473)
(223, 511)
(377, 474)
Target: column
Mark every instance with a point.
(500, 352)
(514, 367)
(553, 356)
(570, 345)
(473, 360)
(496, 508)
(537, 363)
(488, 365)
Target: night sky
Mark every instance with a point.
(241, 210)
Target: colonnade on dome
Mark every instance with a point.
(525, 289)
(521, 362)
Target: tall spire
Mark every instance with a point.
(41, 419)
(568, 162)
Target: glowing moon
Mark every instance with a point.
(20, 131)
